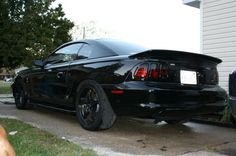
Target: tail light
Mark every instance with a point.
(164, 72)
(141, 72)
(154, 71)
(157, 71)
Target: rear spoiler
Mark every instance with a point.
(175, 56)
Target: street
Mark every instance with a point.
(131, 136)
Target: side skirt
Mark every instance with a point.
(54, 108)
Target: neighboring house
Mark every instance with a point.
(4, 73)
(218, 33)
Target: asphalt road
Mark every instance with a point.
(132, 136)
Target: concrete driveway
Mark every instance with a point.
(132, 136)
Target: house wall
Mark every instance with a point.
(219, 34)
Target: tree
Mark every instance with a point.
(9, 38)
(30, 29)
(89, 30)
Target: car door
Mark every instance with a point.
(77, 71)
(80, 68)
(52, 87)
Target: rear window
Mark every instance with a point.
(123, 48)
(90, 51)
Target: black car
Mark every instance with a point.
(99, 79)
(232, 95)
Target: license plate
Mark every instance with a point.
(188, 77)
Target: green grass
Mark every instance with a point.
(31, 141)
(5, 87)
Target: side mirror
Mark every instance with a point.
(39, 63)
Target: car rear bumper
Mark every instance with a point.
(167, 102)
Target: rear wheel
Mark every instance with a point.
(93, 108)
(20, 96)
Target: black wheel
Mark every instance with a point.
(20, 96)
(176, 121)
(93, 108)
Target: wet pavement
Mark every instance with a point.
(131, 136)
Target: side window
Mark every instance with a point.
(85, 52)
(91, 51)
(65, 54)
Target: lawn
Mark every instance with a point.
(31, 141)
(5, 87)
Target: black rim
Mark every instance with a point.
(89, 105)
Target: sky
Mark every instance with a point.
(159, 24)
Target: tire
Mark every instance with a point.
(173, 122)
(20, 96)
(93, 108)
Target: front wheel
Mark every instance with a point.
(93, 108)
(20, 96)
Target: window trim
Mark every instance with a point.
(59, 48)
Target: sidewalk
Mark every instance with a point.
(6, 96)
(7, 99)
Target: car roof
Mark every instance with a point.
(88, 41)
(116, 46)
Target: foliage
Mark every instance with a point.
(30, 29)
(5, 87)
(226, 114)
(30, 141)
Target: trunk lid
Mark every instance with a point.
(179, 67)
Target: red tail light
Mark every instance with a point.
(152, 72)
(159, 71)
(141, 71)
(164, 73)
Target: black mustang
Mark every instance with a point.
(99, 79)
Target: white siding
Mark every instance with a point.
(219, 34)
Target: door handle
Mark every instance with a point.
(60, 74)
